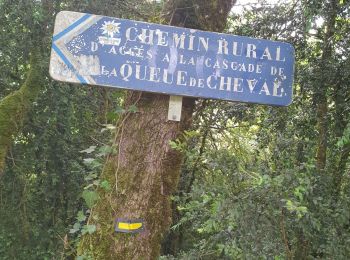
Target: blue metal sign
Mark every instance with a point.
(113, 52)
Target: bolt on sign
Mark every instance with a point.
(113, 52)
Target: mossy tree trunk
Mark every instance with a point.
(324, 84)
(14, 107)
(146, 170)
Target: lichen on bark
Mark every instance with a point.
(14, 107)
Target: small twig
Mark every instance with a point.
(66, 243)
(88, 221)
(97, 141)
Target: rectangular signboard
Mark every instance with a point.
(113, 52)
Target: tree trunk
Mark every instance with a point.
(13, 108)
(146, 170)
(321, 92)
(340, 124)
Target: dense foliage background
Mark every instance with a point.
(258, 182)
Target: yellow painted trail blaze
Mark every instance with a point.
(129, 226)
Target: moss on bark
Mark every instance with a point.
(14, 107)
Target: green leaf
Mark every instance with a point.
(77, 225)
(81, 216)
(88, 229)
(108, 127)
(72, 231)
(119, 110)
(173, 144)
(76, 228)
(90, 197)
(91, 176)
(91, 228)
(133, 109)
(106, 150)
(88, 160)
(89, 150)
(105, 185)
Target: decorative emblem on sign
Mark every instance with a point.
(110, 28)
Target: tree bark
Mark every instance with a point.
(146, 170)
(321, 93)
(14, 107)
(339, 158)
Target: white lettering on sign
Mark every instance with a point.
(108, 51)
